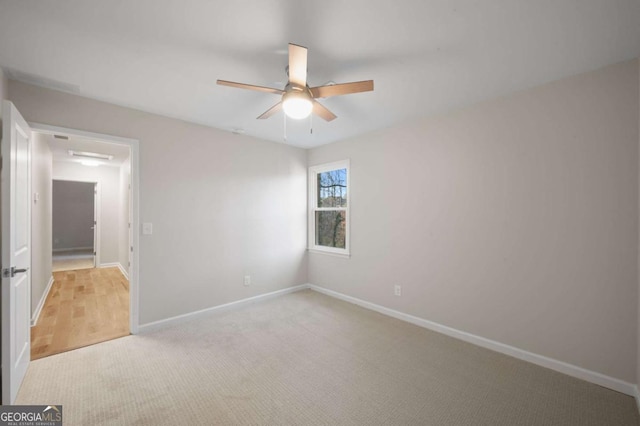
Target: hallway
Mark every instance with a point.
(84, 307)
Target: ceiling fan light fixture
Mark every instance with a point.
(297, 105)
(298, 99)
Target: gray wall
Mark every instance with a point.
(41, 223)
(221, 205)
(4, 90)
(515, 220)
(73, 215)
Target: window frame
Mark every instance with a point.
(313, 208)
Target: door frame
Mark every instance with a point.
(134, 207)
(96, 214)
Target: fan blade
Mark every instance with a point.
(322, 111)
(250, 87)
(297, 65)
(268, 113)
(342, 89)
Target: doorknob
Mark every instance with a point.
(15, 271)
(10, 273)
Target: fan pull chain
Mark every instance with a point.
(284, 116)
(311, 124)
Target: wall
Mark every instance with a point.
(221, 205)
(73, 215)
(638, 337)
(108, 179)
(4, 89)
(123, 227)
(515, 220)
(41, 224)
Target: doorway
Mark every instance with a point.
(21, 198)
(74, 225)
(88, 300)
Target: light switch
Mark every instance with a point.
(147, 228)
(36, 197)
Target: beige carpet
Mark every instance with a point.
(59, 265)
(307, 359)
(72, 260)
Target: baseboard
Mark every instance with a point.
(553, 364)
(156, 325)
(36, 314)
(123, 271)
(115, 265)
(72, 249)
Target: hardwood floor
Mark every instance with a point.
(84, 307)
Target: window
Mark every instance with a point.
(329, 207)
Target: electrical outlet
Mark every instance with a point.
(247, 280)
(397, 290)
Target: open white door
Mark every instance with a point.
(16, 250)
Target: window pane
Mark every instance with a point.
(332, 188)
(331, 228)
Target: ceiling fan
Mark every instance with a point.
(298, 99)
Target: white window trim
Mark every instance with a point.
(312, 179)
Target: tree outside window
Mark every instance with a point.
(329, 207)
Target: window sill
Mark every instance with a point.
(329, 253)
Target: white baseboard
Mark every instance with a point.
(553, 364)
(36, 314)
(124, 271)
(72, 249)
(156, 325)
(115, 265)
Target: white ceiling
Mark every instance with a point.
(426, 56)
(60, 150)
